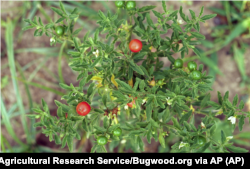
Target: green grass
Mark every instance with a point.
(11, 59)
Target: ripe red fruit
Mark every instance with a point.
(66, 115)
(135, 45)
(131, 103)
(83, 108)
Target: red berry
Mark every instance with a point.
(135, 45)
(83, 108)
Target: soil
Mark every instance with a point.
(229, 82)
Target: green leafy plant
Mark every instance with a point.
(231, 30)
(131, 104)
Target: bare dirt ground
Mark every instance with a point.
(230, 82)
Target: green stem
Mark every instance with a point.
(205, 53)
(60, 63)
(48, 18)
(42, 87)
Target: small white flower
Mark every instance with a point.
(52, 40)
(96, 53)
(123, 141)
(202, 125)
(232, 119)
(229, 138)
(182, 145)
(126, 107)
(180, 21)
(168, 98)
(169, 101)
(144, 101)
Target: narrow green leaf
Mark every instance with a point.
(149, 21)
(57, 139)
(206, 17)
(58, 11)
(196, 51)
(212, 130)
(237, 149)
(241, 122)
(154, 123)
(64, 86)
(28, 27)
(223, 137)
(62, 7)
(198, 35)
(235, 100)
(241, 105)
(203, 148)
(146, 8)
(60, 19)
(161, 140)
(185, 117)
(59, 112)
(182, 14)
(157, 14)
(139, 55)
(40, 21)
(164, 6)
(70, 143)
(192, 14)
(201, 12)
(76, 118)
(77, 31)
(104, 99)
(73, 16)
(175, 122)
(149, 111)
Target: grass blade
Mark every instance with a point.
(2, 145)
(239, 58)
(32, 129)
(237, 31)
(7, 124)
(214, 59)
(11, 59)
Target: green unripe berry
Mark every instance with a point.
(59, 30)
(119, 4)
(102, 140)
(130, 5)
(178, 63)
(196, 75)
(117, 131)
(192, 66)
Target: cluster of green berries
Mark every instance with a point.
(128, 5)
(192, 66)
(102, 140)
